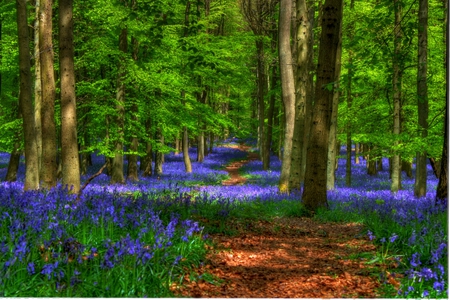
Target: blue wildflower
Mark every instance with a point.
(30, 268)
(370, 234)
(438, 286)
(393, 238)
(415, 260)
(425, 293)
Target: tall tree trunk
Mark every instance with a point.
(37, 86)
(420, 185)
(146, 163)
(69, 143)
(186, 159)
(49, 148)
(348, 163)
(288, 90)
(333, 147)
(442, 187)
(315, 189)
(303, 88)
(25, 99)
(117, 175)
(261, 91)
(132, 171)
(201, 97)
(397, 82)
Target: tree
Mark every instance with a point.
(287, 89)
(303, 89)
(420, 185)
(25, 99)
(315, 189)
(117, 166)
(397, 85)
(49, 147)
(69, 141)
(37, 85)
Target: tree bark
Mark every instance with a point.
(396, 82)
(315, 189)
(37, 86)
(49, 146)
(25, 99)
(420, 184)
(117, 175)
(303, 88)
(132, 171)
(69, 142)
(186, 159)
(159, 154)
(288, 90)
(333, 147)
(146, 163)
(442, 187)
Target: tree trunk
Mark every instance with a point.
(117, 175)
(333, 147)
(357, 150)
(303, 88)
(288, 90)
(420, 184)
(37, 86)
(146, 163)
(159, 154)
(348, 163)
(49, 166)
(261, 90)
(69, 142)
(315, 189)
(25, 100)
(396, 82)
(186, 159)
(14, 160)
(132, 171)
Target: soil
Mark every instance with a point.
(287, 258)
(233, 168)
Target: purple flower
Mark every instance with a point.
(438, 286)
(425, 293)
(393, 238)
(30, 268)
(49, 270)
(370, 234)
(415, 260)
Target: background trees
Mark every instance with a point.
(217, 76)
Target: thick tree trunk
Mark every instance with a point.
(117, 175)
(186, 158)
(315, 189)
(25, 100)
(396, 82)
(261, 91)
(49, 166)
(420, 185)
(288, 90)
(333, 147)
(37, 86)
(69, 142)
(303, 88)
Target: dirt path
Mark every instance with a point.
(287, 258)
(233, 168)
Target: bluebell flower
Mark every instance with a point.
(438, 286)
(425, 293)
(370, 234)
(383, 240)
(412, 239)
(30, 268)
(427, 274)
(393, 238)
(415, 260)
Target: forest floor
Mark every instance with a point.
(287, 258)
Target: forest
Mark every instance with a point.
(224, 148)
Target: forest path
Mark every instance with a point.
(233, 167)
(287, 258)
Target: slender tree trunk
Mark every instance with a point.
(348, 164)
(420, 185)
(357, 151)
(442, 187)
(396, 82)
(69, 143)
(25, 99)
(159, 154)
(315, 189)
(288, 90)
(303, 88)
(49, 148)
(37, 86)
(260, 95)
(186, 159)
(333, 147)
(146, 163)
(14, 159)
(132, 171)
(117, 175)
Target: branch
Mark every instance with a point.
(90, 179)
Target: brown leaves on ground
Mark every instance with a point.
(287, 258)
(233, 168)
